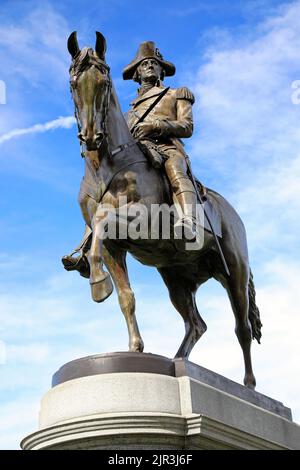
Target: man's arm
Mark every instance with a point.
(183, 125)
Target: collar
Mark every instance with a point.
(147, 87)
(154, 91)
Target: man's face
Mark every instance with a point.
(149, 70)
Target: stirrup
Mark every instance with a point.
(78, 263)
(185, 228)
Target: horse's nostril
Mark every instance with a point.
(81, 137)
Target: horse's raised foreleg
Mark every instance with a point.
(237, 288)
(100, 281)
(182, 295)
(115, 261)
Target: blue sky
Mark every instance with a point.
(240, 59)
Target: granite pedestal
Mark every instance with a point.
(145, 401)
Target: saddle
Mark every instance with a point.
(152, 153)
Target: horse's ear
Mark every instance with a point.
(100, 45)
(73, 47)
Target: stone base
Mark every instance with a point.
(125, 401)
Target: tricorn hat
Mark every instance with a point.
(148, 50)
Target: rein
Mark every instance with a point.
(120, 148)
(115, 174)
(106, 108)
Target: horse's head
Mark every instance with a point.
(90, 87)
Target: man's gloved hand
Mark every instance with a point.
(155, 128)
(145, 129)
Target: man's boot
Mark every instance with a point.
(186, 225)
(79, 262)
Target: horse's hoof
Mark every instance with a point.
(250, 382)
(181, 354)
(101, 289)
(137, 346)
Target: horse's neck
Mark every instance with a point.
(117, 127)
(118, 134)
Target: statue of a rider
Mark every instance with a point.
(160, 132)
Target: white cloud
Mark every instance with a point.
(2, 92)
(2, 352)
(35, 47)
(246, 116)
(34, 63)
(18, 418)
(269, 206)
(29, 353)
(248, 139)
(60, 123)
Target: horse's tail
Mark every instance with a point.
(254, 315)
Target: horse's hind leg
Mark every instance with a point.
(182, 295)
(237, 288)
(115, 261)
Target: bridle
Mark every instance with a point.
(120, 148)
(106, 104)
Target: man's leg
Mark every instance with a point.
(77, 260)
(176, 169)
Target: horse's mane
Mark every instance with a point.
(85, 59)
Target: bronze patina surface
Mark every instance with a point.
(115, 166)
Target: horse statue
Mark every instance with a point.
(115, 166)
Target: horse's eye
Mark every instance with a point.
(73, 82)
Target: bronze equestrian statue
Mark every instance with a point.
(116, 166)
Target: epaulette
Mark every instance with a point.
(185, 94)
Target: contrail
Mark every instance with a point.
(62, 122)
